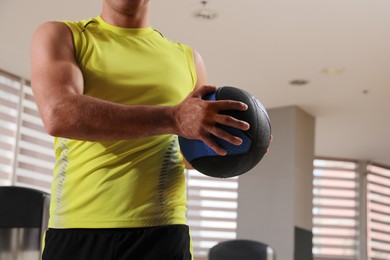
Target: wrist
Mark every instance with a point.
(171, 120)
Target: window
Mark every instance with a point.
(35, 158)
(335, 210)
(26, 150)
(378, 210)
(9, 119)
(212, 211)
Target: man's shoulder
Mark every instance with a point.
(51, 30)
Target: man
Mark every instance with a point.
(115, 94)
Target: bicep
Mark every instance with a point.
(54, 71)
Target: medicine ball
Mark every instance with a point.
(239, 159)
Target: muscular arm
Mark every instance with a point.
(57, 83)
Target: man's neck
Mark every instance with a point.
(126, 20)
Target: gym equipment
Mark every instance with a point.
(239, 159)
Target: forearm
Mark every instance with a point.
(90, 119)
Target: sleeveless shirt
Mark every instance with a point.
(138, 182)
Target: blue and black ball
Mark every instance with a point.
(239, 159)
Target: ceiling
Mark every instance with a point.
(262, 46)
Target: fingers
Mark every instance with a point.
(232, 122)
(222, 134)
(214, 146)
(199, 119)
(221, 105)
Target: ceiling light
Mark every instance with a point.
(330, 71)
(299, 82)
(205, 13)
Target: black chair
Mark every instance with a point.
(241, 249)
(24, 214)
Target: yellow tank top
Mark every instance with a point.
(131, 183)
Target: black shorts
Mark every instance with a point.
(170, 242)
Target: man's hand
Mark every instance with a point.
(198, 119)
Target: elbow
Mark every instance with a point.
(52, 128)
(52, 125)
(55, 122)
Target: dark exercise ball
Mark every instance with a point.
(239, 159)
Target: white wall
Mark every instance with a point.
(276, 196)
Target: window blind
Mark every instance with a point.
(378, 210)
(335, 210)
(9, 118)
(35, 157)
(26, 157)
(212, 211)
